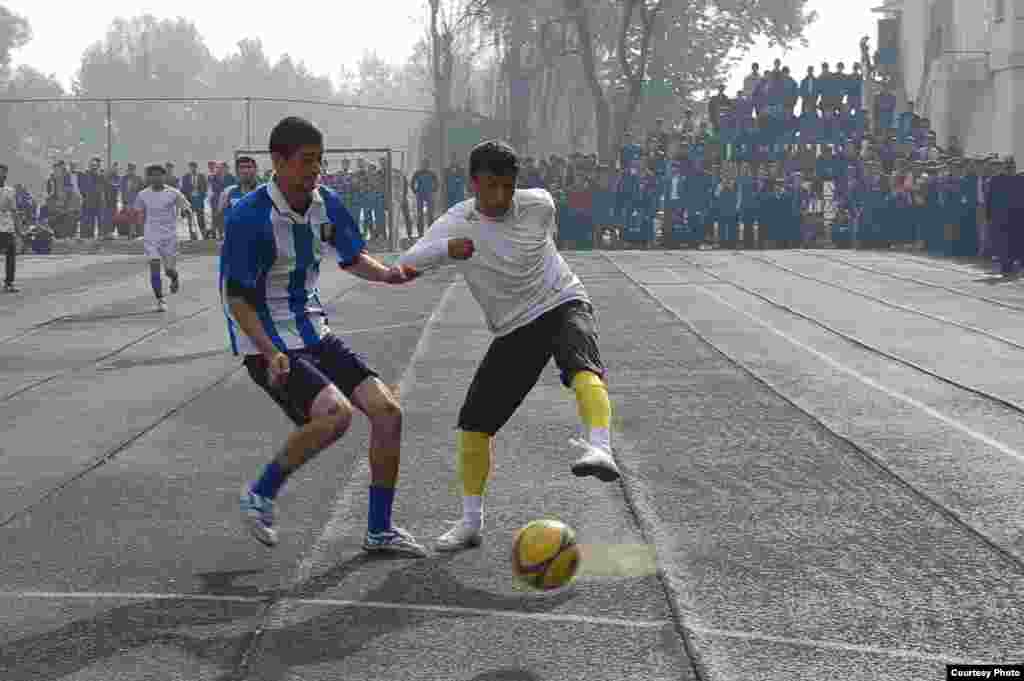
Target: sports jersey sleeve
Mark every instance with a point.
(432, 249)
(348, 243)
(225, 198)
(248, 252)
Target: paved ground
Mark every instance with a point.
(822, 455)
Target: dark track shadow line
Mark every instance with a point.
(122, 364)
(507, 674)
(332, 635)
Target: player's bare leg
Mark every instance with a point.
(329, 419)
(381, 406)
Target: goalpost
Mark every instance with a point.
(384, 153)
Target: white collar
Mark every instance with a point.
(282, 205)
(475, 215)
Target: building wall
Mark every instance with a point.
(971, 96)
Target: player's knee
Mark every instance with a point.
(332, 409)
(387, 415)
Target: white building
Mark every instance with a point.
(962, 63)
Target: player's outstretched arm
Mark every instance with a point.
(366, 267)
(438, 247)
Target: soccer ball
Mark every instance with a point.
(545, 554)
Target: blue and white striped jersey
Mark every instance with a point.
(269, 247)
(230, 197)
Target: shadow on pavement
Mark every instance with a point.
(335, 634)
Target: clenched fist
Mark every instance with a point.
(460, 249)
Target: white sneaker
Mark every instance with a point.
(594, 461)
(460, 537)
(161, 304)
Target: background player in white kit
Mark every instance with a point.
(159, 205)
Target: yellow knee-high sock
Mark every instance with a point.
(474, 462)
(595, 408)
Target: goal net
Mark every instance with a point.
(360, 176)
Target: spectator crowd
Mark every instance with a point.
(781, 164)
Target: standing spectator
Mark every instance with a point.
(809, 93)
(400, 196)
(717, 105)
(378, 180)
(533, 176)
(75, 175)
(9, 228)
(217, 183)
(26, 205)
(1003, 212)
(455, 182)
(885, 112)
(131, 184)
(91, 185)
(215, 177)
(59, 192)
(424, 184)
(752, 80)
(841, 85)
(195, 186)
(170, 179)
(791, 90)
(111, 192)
(245, 168)
(855, 91)
(825, 90)
(905, 125)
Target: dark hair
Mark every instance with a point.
(244, 159)
(291, 134)
(155, 168)
(3, 166)
(495, 157)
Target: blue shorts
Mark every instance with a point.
(312, 370)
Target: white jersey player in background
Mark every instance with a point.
(159, 205)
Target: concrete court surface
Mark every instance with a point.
(823, 458)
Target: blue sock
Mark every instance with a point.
(270, 482)
(158, 285)
(381, 499)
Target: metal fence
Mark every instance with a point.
(144, 130)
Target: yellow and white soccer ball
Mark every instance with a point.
(545, 554)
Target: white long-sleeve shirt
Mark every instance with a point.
(516, 273)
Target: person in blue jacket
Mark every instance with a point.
(748, 201)
(727, 211)
(699, 189)
(455, 183)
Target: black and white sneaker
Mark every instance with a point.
(11, 288)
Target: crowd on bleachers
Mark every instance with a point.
(756, 172)
(782, 163)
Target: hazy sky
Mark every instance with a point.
(326, 35)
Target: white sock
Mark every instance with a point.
(601, 438)
(473, 511)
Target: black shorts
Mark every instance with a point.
(312, 370)
(514, 362)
